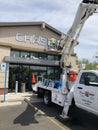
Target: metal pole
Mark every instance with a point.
(16, 87)
(5, 74)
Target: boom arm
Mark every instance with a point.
(86, 9)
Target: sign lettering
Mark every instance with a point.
(21, 37)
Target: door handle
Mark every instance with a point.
(80, 88)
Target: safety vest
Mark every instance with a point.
(53, 40)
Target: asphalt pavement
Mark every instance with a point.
(26, 117)
(26, 111)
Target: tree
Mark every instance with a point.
(88, 65)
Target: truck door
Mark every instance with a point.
(86, 92)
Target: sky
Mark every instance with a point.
(57, 13)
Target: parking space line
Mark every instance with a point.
(53, 121)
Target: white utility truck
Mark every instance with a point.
(82, 89)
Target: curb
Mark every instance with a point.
(5, 104)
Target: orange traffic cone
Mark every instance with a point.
(33, 78)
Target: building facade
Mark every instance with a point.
(23, 48)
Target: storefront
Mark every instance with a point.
(23, 46)
(22, 72)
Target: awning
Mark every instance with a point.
(30, 61)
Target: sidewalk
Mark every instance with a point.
(14, 99)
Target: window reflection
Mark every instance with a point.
(37, 68)
(57, 57)
(50, 57)
(43, 56)
(15, 53)
(34, 54)
(57, 73)
(26, 54)
(50, 72)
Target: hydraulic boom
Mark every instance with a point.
(86, 9)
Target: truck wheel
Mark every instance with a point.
(47, 98)
(40, 93)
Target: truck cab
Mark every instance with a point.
(86, 91)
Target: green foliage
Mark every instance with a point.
(88, 65)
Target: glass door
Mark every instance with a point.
(13, 76)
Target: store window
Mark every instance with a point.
(22, 73)
(15, 53)
(50, 72)
(37, 68)
(50, 57)
(24, 54)
(43, 56)
(57, 73)
(57, 57)
(34, 54)
(39, 71)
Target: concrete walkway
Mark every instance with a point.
(14, 99)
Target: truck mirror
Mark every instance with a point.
(86, 80)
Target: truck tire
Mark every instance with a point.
(47, 98)
(40, 93)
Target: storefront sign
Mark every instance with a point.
(20, 37)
